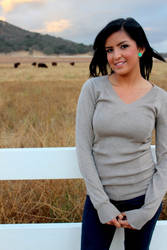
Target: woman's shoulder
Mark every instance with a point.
(95, 82)
(161, 92)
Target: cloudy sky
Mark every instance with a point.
(81, 20)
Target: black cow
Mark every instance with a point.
(16, 65)
(34, 64)
(72, 63)
(42, 65)
(54, 63)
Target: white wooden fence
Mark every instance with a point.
(52, 163)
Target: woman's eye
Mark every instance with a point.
(124, 46)
(109, 50)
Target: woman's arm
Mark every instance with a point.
(158, 185)
(84, 140)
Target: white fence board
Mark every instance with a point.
(60, 236)
(64, 236)
(38, 163)
(159, 240)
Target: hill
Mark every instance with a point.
(14, 38)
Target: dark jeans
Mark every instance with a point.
(98, 236)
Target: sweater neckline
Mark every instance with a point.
(140, 99)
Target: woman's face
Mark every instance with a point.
(122, 53)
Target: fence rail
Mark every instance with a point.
(52, 163)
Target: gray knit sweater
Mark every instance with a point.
(113, 143)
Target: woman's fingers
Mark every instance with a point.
(120, 216)
(114, 222)
(125, 224)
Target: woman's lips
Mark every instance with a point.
(119, 64)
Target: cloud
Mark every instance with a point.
(55, 26)
(2, 18)
(9, 5)
(148, 28)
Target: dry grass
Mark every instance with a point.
(37, 106)
(43, 201)
(37, 109)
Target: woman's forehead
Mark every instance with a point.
(117, 37)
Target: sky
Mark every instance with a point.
(81, 20)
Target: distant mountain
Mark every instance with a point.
(13, 38)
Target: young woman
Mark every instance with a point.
(117, 111)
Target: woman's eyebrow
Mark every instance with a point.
(107, 47)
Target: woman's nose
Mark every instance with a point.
(116, 54)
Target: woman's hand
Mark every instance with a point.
(114, 222)
(124, 222)
(120, 221)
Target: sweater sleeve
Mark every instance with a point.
(158, 184)
(84, 140)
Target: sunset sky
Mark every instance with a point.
(81, 20)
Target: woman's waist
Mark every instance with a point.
(113, 157)
(125, 205)
(127, 173)
(125, 191)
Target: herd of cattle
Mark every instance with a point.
(41, 65)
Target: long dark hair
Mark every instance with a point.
(99, 63)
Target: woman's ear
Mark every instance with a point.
(142, 50)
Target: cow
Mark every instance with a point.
(16, 65)
(54, 63)
(72, 63)
(34, 64)
(42, 65)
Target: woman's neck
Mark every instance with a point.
(127, 81)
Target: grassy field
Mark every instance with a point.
(37, 109)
